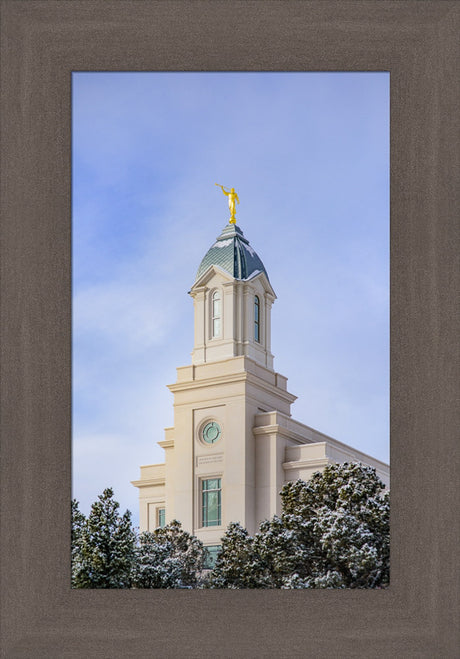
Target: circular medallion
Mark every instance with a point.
(211, 432)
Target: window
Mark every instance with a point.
(257, 319)
(161, 516)
(210, 556)
(211, 501)
(216, 313)
(211, 432)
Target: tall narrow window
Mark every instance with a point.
(161, 516)
(257, 319)
(216, 314)
(211, 502)
(210, 556)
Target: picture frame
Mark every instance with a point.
(42, 43)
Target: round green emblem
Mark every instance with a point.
(211, 432)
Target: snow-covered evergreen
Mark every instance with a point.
(155, 565)
(333, 533)
(103, 545)
(237, 562)
(168, 557)
(78, 525)
(107, 554)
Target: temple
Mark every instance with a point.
(234, 443)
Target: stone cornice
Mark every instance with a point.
(149, 482)
(281, 393)
(282, 432)
(207, 382)
(166, 443)
(230, 378)
(301, 464)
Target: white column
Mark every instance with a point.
(199, 304)
(246, 315)
(268, 333)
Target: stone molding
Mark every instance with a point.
(149, 482)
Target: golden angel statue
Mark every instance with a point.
(232, 197)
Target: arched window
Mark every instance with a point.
(216, 314)
(257, 319)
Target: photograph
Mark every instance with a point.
(230, 330)
(228, 246)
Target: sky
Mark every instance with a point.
(308, 155)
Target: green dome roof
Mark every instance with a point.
(233, 253)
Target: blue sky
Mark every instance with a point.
(308, 154)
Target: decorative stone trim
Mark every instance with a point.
(302, 464)
(203, 460)
(148, 482)
(276, 429)
(166, 443)
(238, 377)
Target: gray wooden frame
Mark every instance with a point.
(42, 42)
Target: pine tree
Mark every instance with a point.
(78, 525)
(237, 565)
(285, 548)
(104, 546)
(333, 533)
(154, 565)
(346, 514)
(183, 551)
